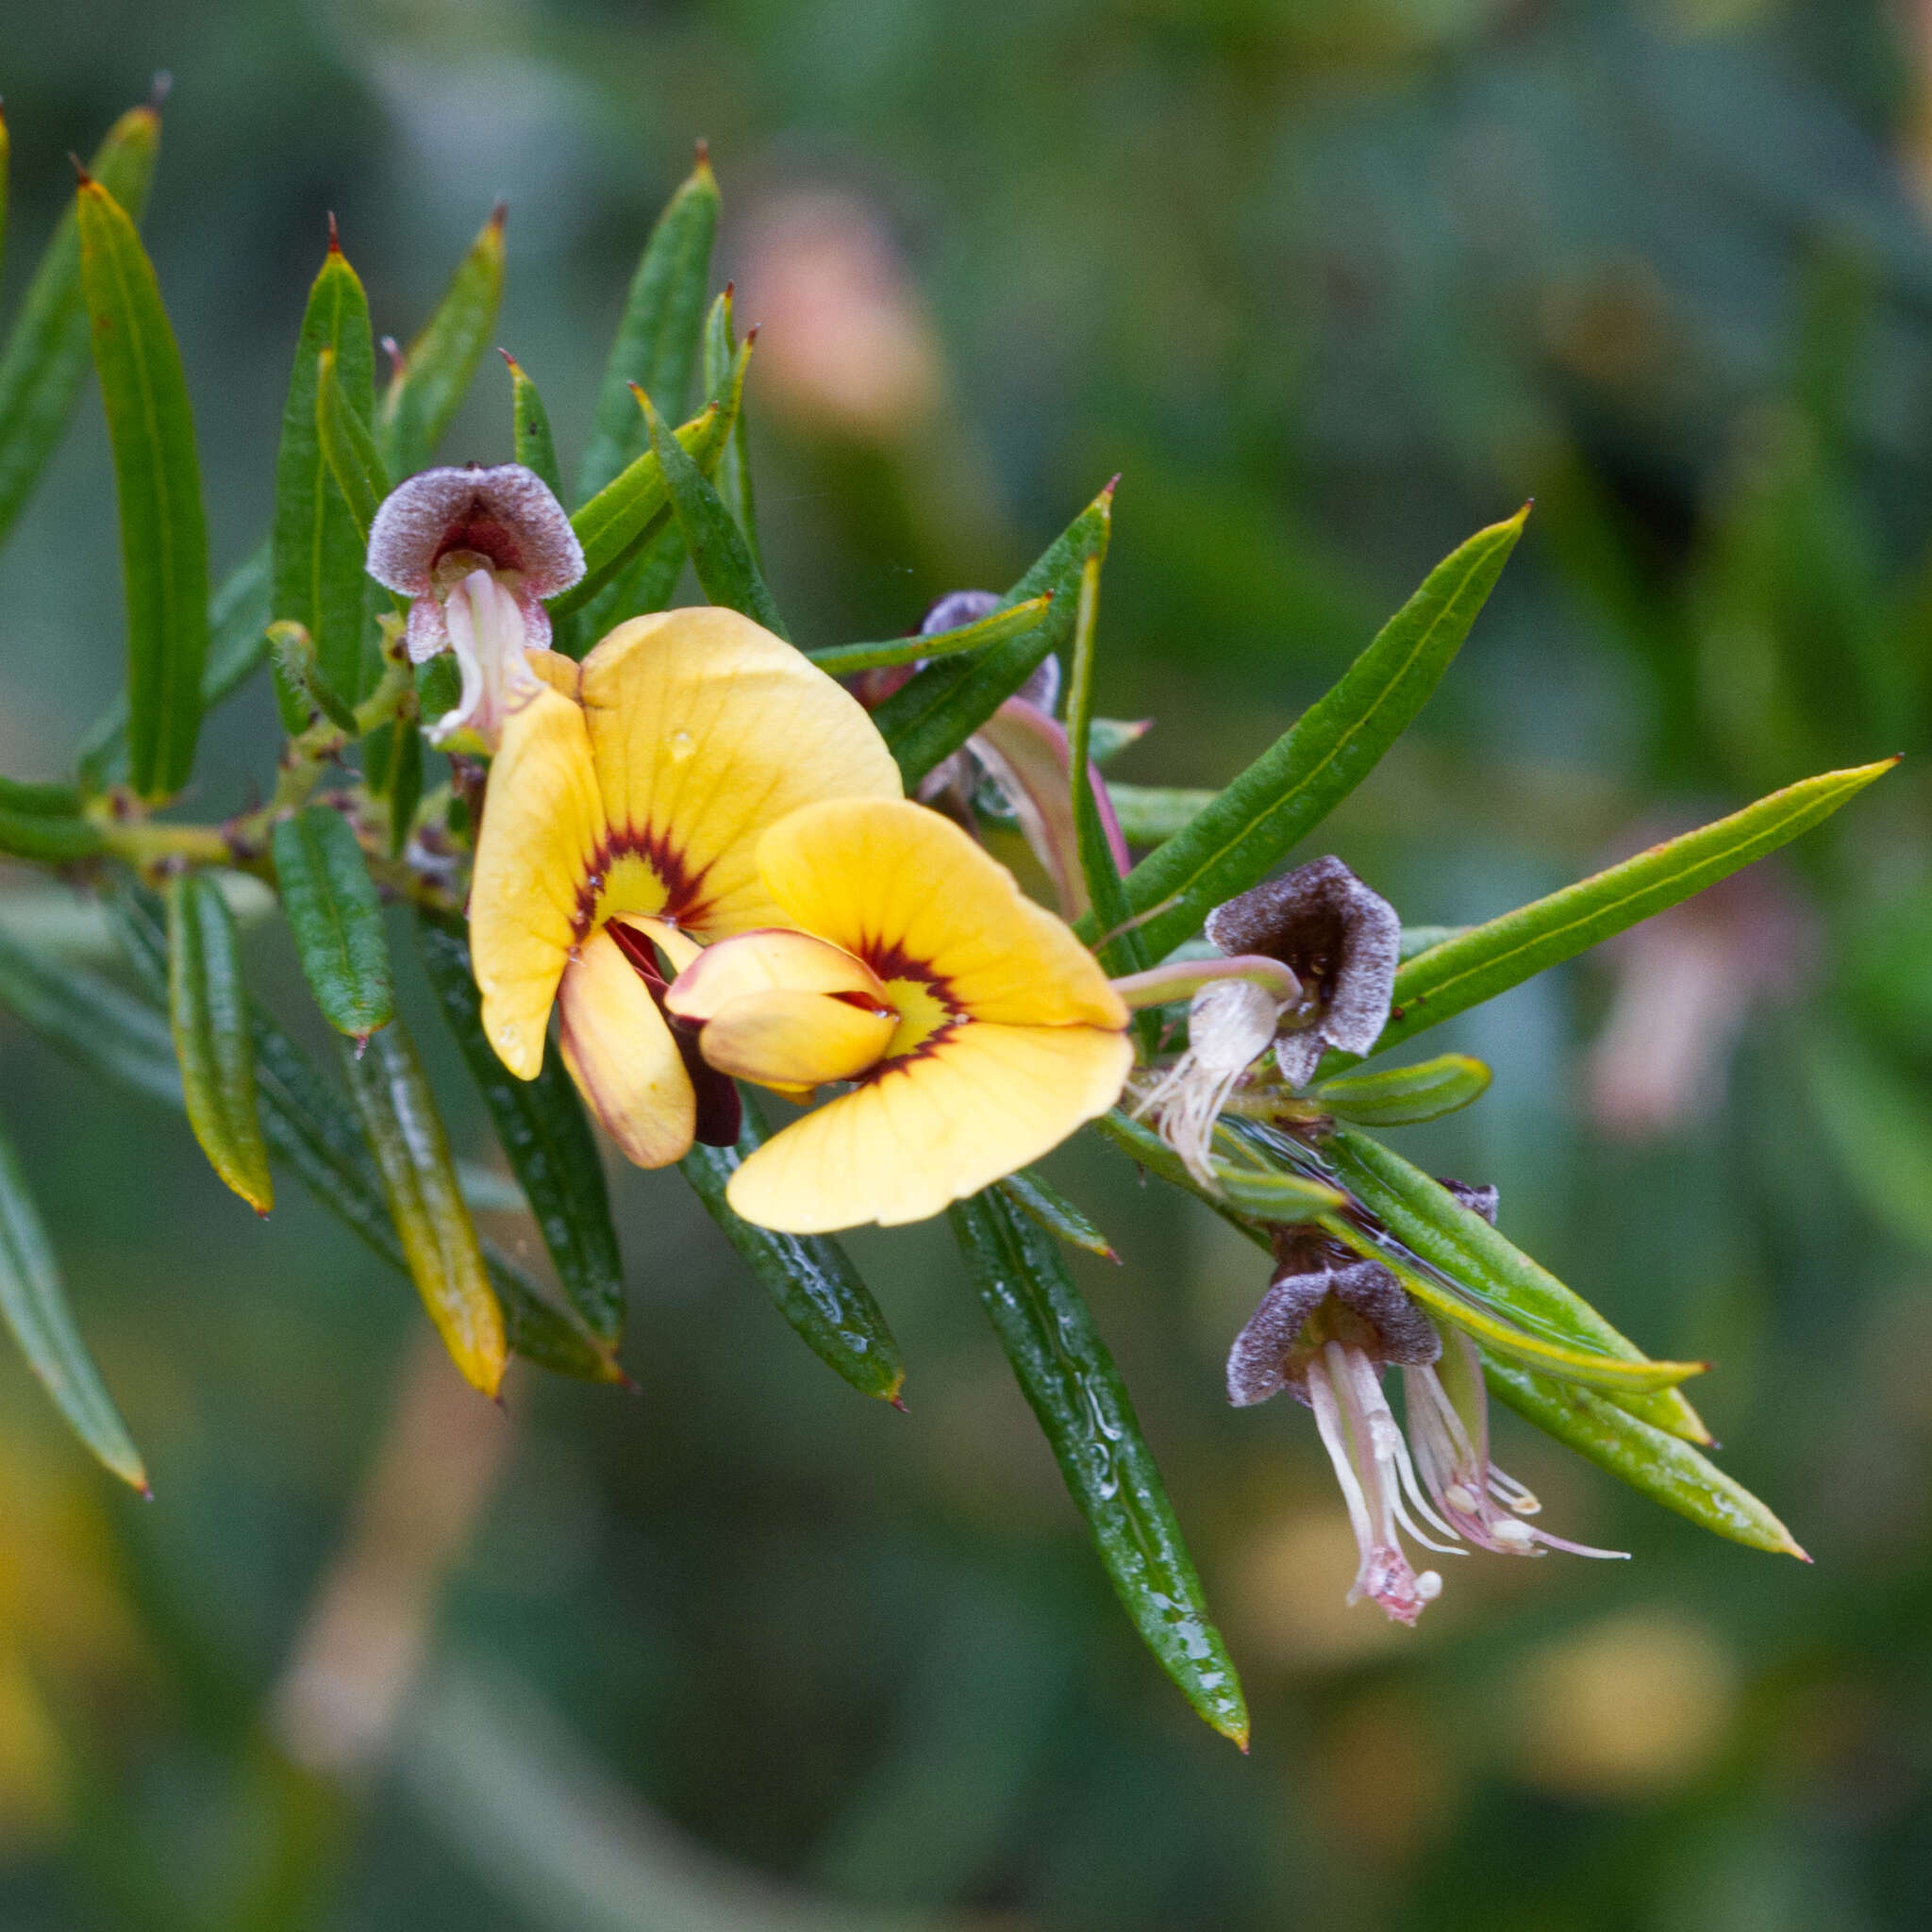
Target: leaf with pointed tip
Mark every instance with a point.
(319, 545)
(208, 1016)
(336, 920)
(1068, 1378)
(808, 1277)
(45, 361)
(34, 1307)
(437, 367)
(1044, 1205)
(1399, 1096)
(157, 485)
(733, 477)
(656, 342)
(1010, 621)
(718, 551)
(406, 1134)
(542, 1127)
(530, 422)
(1481, 961)
(1254, 824)
(1653, 1462)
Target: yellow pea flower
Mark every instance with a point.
(623, 811)
(976, 1029)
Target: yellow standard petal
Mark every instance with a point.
(932, 1128)
(705, 729)
(919, 901)
(620, 1052)
(766, 961)
(795, 1039)
(542, 835)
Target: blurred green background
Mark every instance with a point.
(1332, 282)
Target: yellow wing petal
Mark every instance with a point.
(620, 1052)
(885, 879)
(932, 1130)
(705, 729)
(795, 1039)
(766, 961)
(542, 829)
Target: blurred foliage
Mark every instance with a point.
(1332, 283)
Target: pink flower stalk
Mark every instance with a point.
(477, 551)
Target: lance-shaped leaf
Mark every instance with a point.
(319, 546)
(530, 438)
(1010, 621)
(404, 791)
(38, 801)
(1654, 1463)
(311, 1126)
(934, 713)
(90, 1021)
(35, 1306)
(419, 1180)
(45, 359)
(47, 838)
(618, 526)
(1484, 961)
(301, 681)
(436, 370)
(237, 645)
(1270, 1195)
(349, 451)
(1250, 828)
(158, 485)
(552, 1151)
(335, 919)
(207, 1015)
(1399, 1096)
(1068, 1378)
(718, 554)
(656, 343)
(1431, 1226)
(1044, 1205)
(733, 477)
(809, 1279)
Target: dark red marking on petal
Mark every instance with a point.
(720, 1111)
(684, 902)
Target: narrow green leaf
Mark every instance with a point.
(1010, 621)
(535, 447)
(1484, 961)
(300, 679)
(437, 368)
(1124, 951)
(656, 343)
(238, 646)
(47, 839)
(404, 1133)
(1432, 1226)
(1654, 1463)
(158, 484)
(617, 525)
(319, 546)
(718, 551)
(1252, 825)
(404, 790)
(1067, 1375)
(38, 801)
(35, 1306)
(1149, 813)
(335, 919)
(552, 1151)
(733, 477)
(1044, 1205)
(349, 452)
(45, 359)
(1270, 1195)
(809, 1279)
(90, 1021)
(311, 1126)
(207, 1015)
(1400, 1096)
(934, 713)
